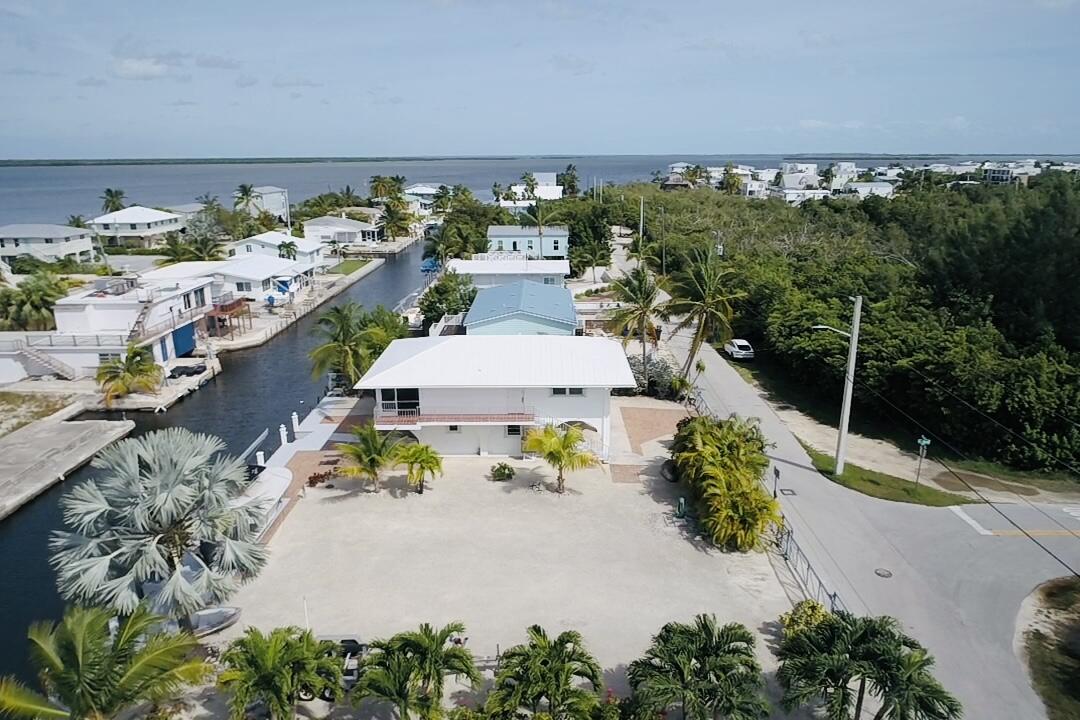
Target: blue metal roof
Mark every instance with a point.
(546, 301)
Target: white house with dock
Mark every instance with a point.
(480, 394)
(343, 231)
(309, 252)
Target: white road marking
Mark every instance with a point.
(970, 521)
(1074, 511)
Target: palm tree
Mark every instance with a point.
(449, 241)
(496, 191)
(135, 371)
(244, 197)
(76, 221)
(732, 182)
(278, 669)
(205, 248)
(287, 250)
(443, 198)
(592, 255)
(435, 657)
(638, 296)
(539, 215)
(112, 200)
(396, 220)
(420, 461)
(29, 306)
(529, 181)
(569, 180)
(390, 674)
(348, 195)
(707, 670)
(381, 186)
(836, 661)
(543, 675)
(911, 692)
(175, 250)
(341, 350)
(561, 450)
(370, 453)
(160, 524)
(88, 672)
(700, 295)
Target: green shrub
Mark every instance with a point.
(805, 615)
(502, 472)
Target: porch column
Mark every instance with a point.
(605, 426)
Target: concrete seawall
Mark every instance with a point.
(41, 454)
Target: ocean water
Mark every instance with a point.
(49, 194)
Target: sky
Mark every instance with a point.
(268, 78)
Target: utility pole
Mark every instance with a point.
(641, 231)
(663, 242)
(849, 381)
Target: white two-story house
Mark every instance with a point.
(136, 225)
(481, 394)
(505, 270)
(309, 252)
(551, 245)
(343, 231)
(45, 242)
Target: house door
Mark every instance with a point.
(164, 349)
(514, 247)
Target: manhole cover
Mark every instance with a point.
(882, 572)
(787, 491)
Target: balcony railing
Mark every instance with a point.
(390, 414)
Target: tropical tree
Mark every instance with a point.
(639, 298)
(496, 191)
(910, 692)
(396, 220)
(278, 669)
(448, 241)
(160, 524)
(732, 182)
(88, 672)
(701, 297)
(77, 221)
(838, 660)
(827, 176)
(591, 255)
(29, 306)
(420, 462)
(175, 250)
(529, 181)
(205, 248)
(561, 449)
(112, 200)
(434, 657)
(348, 196)
(134, 371)
(244, 197)
(287, 250)
(543, 675)
(370, 453)
(382, 186)
(391, 674)
(707, 670)
(569, 180)
(340, 350)
(443, 198)
(452, 293)
(541, 214)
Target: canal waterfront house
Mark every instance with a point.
(552, 245)
(491, 269)
(136, 226)
(344, 231)
(309, 252)
(481, 394)
(522, 308)
(253, 276)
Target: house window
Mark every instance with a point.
(133, 226)
(453, 428)
(556, 244)
(549, 281)
(513, 431)
(247, 248)
(2, 243)
(575, 392)
(558, 391)
(48, 241)
(200, 297)
(16, 242)
(243, 287)
(232, 253)
(104, 358)
(187, 301)
(399, 399)
(266, 284)
(105, 226)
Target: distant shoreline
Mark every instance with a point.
(90, 162)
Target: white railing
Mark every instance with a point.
(389, 412)
(67, 340)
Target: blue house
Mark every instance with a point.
(522, 308)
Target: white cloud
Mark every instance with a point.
(134, 62)
(245, 81)
(296, 82)
(183, 103)
(140, 68)
(957, 122)
(91, 82)
(30, 72)
(812, 124)
(570, 64)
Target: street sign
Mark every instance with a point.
(924, 442)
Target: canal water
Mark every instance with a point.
(258, 389)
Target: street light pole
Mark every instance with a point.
(849, 381)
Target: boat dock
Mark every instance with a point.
(390, 247)
(41, 454)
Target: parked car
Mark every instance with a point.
(351, 652)
(739, 350)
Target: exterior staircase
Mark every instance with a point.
(140, 323)
(58, 366)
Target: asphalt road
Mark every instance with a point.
(957, 579)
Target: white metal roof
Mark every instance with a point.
(136, 214)
(421, 190)
(41, 230)
(338, 222)
(275, 238)
(267, 189)
(258, 267)
(511, 361)
(509, 267)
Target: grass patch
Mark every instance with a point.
(1053, 653)
(348, 267)
(18, 409)
(782, 390)
(880, 485)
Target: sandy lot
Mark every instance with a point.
(606, 558)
